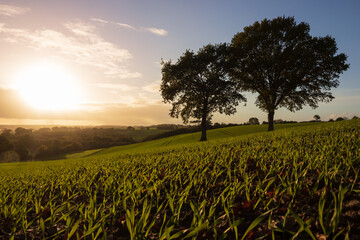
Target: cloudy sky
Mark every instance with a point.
(98, 62)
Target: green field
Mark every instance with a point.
(213, 135)
(300, 181)
(82, 154)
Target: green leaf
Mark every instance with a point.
(42, 225)
(74, 228)
(321, 212)
(256, 222)
(196, 230)
(304, 226)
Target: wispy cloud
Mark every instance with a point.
(81, 44)
(99, 20)
(129, 115)
(117, 86)
(131, 95)
(157, 31)
(10, 11)
(153, 87)
(124, 25)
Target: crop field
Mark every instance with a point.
(213, 135)
(294, 183)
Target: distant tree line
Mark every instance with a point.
(342, 119)
(46, 143)
(24, 144)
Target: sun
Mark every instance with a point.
(48, 86)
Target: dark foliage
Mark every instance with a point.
(340, 119)
(5, 145)
(197, 85)
(287, 67)
(47, 143)
(254, 121)
(317, 118)
(167, 126)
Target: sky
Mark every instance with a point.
(92, 62)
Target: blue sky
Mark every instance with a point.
(112, 50)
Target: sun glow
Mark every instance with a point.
(48, 86)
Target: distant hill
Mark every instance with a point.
(213, 135)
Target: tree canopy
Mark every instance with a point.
(317, 117)
(254, 121)
(197, 85)
(287, 67)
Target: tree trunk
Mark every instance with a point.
(271, 120)
(204, 121)
(203, 129)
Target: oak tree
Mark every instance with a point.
(197, 85)
(287, 67)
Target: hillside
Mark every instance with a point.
(213, 135)
(298, 181)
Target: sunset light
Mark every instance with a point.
(179, 119)
(90, 61)
(47, 86)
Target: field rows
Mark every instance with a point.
(296, 183)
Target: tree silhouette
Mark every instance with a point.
(197, 85)
(254, 121)
(130, 128)
(317, 117)
(287, 67)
